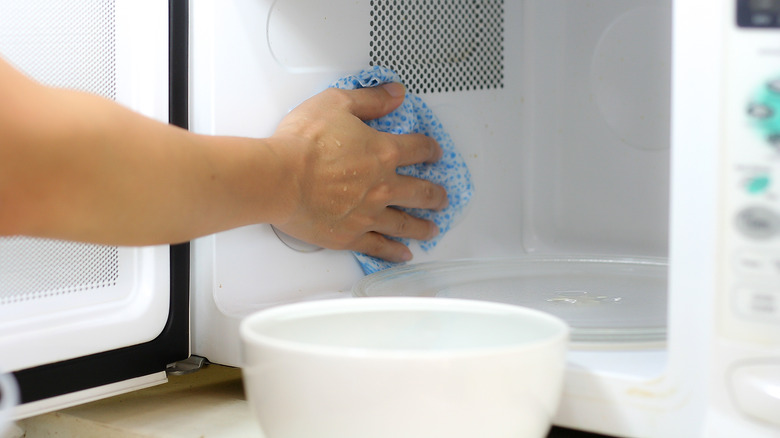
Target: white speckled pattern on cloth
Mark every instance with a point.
(415, 117)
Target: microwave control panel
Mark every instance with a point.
(748, 278)
(750, 192)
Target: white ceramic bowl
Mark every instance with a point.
(403, 368)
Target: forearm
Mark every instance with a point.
(79, 167)
(97, 172)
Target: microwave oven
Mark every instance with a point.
(637, 136)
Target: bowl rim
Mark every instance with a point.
(330, 306)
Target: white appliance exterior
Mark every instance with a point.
(63, 300)
(580, 127)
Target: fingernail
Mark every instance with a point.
(394, 89)
(406, 256)
(445, 202)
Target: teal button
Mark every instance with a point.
(764, 110)
(758, 184)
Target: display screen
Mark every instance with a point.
(758, 13)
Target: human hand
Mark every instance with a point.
(344, 182)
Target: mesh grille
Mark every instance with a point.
(440, 45)
(66, 44)
(62, 43)
(38, 268)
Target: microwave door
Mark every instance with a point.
(78, 321)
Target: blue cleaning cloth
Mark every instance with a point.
(415, 117)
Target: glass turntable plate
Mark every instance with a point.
(608, 303)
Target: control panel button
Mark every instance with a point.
(774, 85)
(774, 141)
(755, 263)
(758, 302)
(764, 109)
(758, 184)
(760, 111)
(758, 222)
(756, 390)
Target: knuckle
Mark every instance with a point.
(428, 149)
(382, 193)
(373, 245)
(402, 225)
(430, 193)
(390, 155)
(377, 246)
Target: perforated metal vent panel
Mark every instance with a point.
(67, 44)
(440, 45)
(38, 268)
(62, 43)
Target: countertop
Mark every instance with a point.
(204, 404)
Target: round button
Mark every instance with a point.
(774, 140)
(774, 85)
(755, 388)
(758, 184)
(760, 111)
(758, 222)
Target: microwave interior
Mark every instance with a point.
(560, 108)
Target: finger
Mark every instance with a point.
(376, 245)
(411, 192)
(415, 148)
(396, 223)
(375, 102)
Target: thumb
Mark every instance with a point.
(375, 102)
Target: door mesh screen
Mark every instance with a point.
(38, 268)
(71, 44)
(62, 43)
